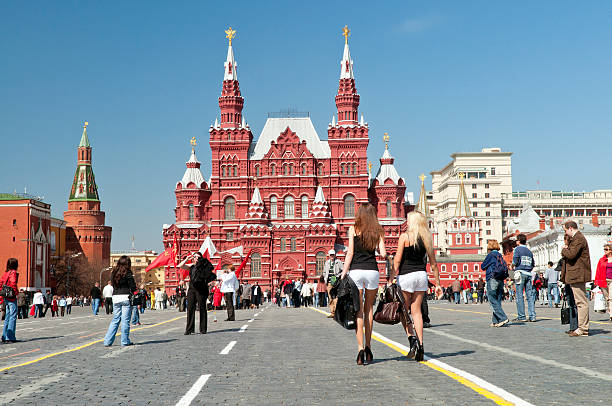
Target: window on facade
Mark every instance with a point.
(291, 169)
(354, 169)
(342, 169)
(486, 185)
(487, 204)
(223, 171)
(320, 170)
(273, 207)
(475, 214)
(443, 268)
(349, 206)
(320, 262)
(303, 169)
(389, 208)
(473, 186)
(289, 207)
(488, 213)
(272, 170)
(191, 213)
(293, 247)
(488, 232)
(285, 169)
(229, 236)
(283, 244)
(257, 170)
(304, 207)
(454, 267)
(492, 171)
(458, 239)
(475, 267)
(230, 208)
(14, 222)
(474, 195)
(468, 239)
(488, 222)
(256, 265)
(474, 204)
(465, 268)
(487, 195)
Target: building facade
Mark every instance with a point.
(25, 223)
(287, 195)
(85, 229)
(140, 260)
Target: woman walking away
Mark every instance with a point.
(8, 292)
(414, 247)
(123, 286)
(603, 276)
(496, 272)
(364, 238)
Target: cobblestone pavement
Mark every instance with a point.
(277, 356)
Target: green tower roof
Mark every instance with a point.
(84, 139)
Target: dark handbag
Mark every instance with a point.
(7, 292)
(346, 315)
(565, 313)
(390, 306)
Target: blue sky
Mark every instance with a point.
(532, 77)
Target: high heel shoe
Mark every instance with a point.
(369, 357)
(413, 347)
(420, 353)
(360, 358)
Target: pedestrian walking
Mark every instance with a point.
(22, 304)
(332, 269)
(199, 277)
(522, 260)
(69, 301)
(247, 293)
(306, 293)
(603, 276)
(62, 305)
(552, 291)
(159, 299)
(107, 294)
(456, 288)
(480, 287)
(365, 237)
(415, 246)
(229, 285)
(137, 301)
(96, 295)
(322, 291)
(39, 301)
(124, 286)
(576, 273)
(256, 295)
(8, 299)
(496, 271)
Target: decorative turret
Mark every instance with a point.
(387, 169)
(257, 212)
(193, 175)
(84, 184)
(192, 192)
(320, 209)
(423, 206)
(231, 101)
(347, 99)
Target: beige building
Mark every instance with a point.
(140, 260)
(488, 175)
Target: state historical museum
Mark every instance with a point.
(287, 195)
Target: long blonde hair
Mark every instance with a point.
(417, 227)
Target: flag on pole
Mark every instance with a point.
(244, 261)
(166, 258)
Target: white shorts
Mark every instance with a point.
(365, 278)
(413, 282)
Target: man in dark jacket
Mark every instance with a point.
(96, 295)
(200, 275)
(22, 304)
(576, 273)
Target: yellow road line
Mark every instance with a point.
(477, 388)
(80, 347)
(511, 314)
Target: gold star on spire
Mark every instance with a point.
(386, 139)
(370, 166)
(461, 176)
(346, 33)
(230, 34)
(422, 177)
(85, 124)
(193, 143)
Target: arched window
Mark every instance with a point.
(291, 169)
(468, 239)
(272, 170)
(349, 206)
(320, 170)
(293, 247)
(273, 207)
(320, 262)
(283, 244)
(289, 207)
(285, 169)
(342, 169)
(235, 170)
(223, 171)
(304, 207)
(389, 209)
(465, 269)
(354, 169)
(458, 239)
(230, 208)
(454, 267)
(257, 170)
(476, 268)
(191, 213)
(443, 268)
(256, 265)
(303, 169)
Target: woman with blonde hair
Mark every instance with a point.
(360, 263)
(410, 262)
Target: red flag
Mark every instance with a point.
(218, 266)
(244, 261)
(174, 250)
(166, 258)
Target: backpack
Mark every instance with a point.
(501, 269)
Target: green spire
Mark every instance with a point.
(84, 140)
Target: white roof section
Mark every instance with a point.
(346, 65)
(256, 199)
(387, 171)
(192, 174)
(528, 221)
(319, 197)
(303, 128)
(230, 65)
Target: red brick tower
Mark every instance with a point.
(85, 229)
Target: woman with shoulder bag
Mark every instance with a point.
(8, 288)
(495, 277)
(364, 238)
(123, 287)
(414, 247)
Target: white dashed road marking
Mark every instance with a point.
(228, 348)
(243, 328)
(193, 391)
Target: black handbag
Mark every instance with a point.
(7, 292)
(565, 312)
(390, 306)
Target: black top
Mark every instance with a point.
(362, 258)
(414, 258)
(126, 285)
(95, 293)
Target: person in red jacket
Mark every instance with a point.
(9, 279)
(465, 287)
(603, 276)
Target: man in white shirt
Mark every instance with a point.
(159, 299)
(107, 294)
(331, 272)
(229, 285)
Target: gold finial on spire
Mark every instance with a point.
(193, 143)
(230, 34)
(85, 124)
(370, 166)
(346, 33)
(461, 176)
(422, 177)
(386, 139)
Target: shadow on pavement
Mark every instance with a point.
(451, 354)
(157, 341)
(40, 338)
(594, 332)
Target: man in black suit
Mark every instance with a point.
(200, 275)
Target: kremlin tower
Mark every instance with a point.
(85, 229)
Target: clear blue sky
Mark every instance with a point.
(534, 78)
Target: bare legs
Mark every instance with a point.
(413, 303)
(365, 317)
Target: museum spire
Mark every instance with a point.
(347, 99)
(231, 101)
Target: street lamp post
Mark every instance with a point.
(102, 271)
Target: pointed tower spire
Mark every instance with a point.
(192, 173)
(463, 206)
(84, 184)
(257, 211)
(230, 101)
(320, 209)
(84, 139)
(347, 99)
(423, 205)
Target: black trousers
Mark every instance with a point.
(425, 309)
(108, 304)
(571, 303)
(229, 303)
(194, 296)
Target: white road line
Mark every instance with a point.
(243, 328)
(256, 314)
(116, 353)
(529, 357)
(250, 320)
(228, 348)
(26, 329)
(478, 381)
(30, 388)
(166, 331)
(193, 391)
